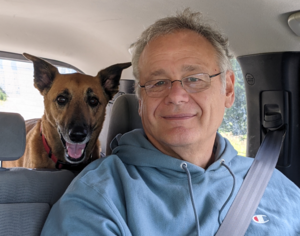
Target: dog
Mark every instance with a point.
(74, 110)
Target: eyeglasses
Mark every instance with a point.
(191, 84)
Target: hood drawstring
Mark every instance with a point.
(232, 190)
(184, 167)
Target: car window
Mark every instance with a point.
(17, 92)
(234, 125)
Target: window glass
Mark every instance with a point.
(17, 93)
(234, 126)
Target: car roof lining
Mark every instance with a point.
(95, 35)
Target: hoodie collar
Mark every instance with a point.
(134, 148)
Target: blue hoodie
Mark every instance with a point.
(140, 191)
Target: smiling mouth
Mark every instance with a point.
(179, 117)
(74, 152)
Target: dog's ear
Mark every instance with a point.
(110, 78)
(44, 73)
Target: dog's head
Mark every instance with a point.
(75, 106)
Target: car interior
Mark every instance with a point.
(86, 36)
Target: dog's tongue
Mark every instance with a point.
(75, 150)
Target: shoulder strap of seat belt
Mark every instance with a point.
(243, 208)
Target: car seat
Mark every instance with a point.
(126, 87)
(124, 117)
(26, 195)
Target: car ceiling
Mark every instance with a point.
(93, 34)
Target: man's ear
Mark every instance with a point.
(110, 78)
(229, 90)
(44, 73)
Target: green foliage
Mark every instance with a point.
(235, 118)
(3, 95)
(239, 142)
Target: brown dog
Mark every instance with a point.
(67, 134)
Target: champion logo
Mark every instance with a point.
(260, 219)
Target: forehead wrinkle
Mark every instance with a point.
(191, 68)
(157, 73)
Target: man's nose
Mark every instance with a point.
(177, 93)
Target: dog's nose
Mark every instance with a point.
(78, 133)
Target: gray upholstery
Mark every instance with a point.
(126, 87)
(26, 195)
(124, 117)
(23, 219)
(104, 130)
(21, 185)
(13, 136)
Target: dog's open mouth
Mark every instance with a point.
(74, 152)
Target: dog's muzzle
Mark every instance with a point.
(75, 148)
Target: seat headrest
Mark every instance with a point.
(12, 136)
(124, 117)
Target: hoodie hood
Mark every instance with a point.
(129, 147)
(140, 191)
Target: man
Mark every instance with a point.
(184, 83)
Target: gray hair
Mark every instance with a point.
(183, 20)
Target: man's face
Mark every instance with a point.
(180, 119)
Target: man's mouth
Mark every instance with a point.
(74, 152)
(178, 116)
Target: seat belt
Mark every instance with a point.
(243, 208)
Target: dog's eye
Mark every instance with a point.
(93, 101)
(61, 100)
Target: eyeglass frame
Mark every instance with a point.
(169, 88)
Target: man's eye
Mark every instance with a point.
(193, 79)
(159, 83)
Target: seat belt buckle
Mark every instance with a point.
(272, 117)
